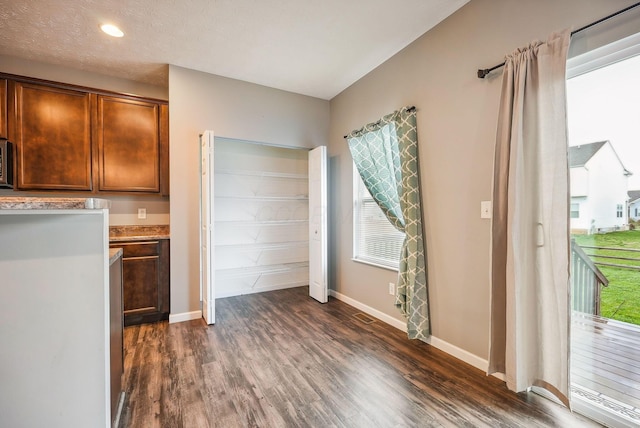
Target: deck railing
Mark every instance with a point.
(623, 261)
(586, 282)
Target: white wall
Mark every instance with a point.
(582, 223)
(607, 188)
(579, 179)
(457, 116)
(632, 210)
(124, 210)
(232, 109)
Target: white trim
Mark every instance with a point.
(184, 316)
(599, 413)
(460, 353)
(260, 143)
(394, 322)
(442, 345)
(604, 56)
(367, 262)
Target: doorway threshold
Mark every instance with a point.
(603, 409)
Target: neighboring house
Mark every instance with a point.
(634, 205)
(598, 188)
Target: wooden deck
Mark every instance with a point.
(605, 363)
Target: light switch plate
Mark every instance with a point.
(142, 213)
(485, 209)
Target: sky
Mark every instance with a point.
(605, 105)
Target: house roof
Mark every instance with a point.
(634, 195)
(580, 155)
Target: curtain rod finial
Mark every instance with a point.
(482, 73)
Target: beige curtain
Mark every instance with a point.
(530, 226)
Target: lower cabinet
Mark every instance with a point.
(145, 272)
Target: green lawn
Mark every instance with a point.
(621, 299)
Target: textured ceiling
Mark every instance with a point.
(311, 47)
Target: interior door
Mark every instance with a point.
(318, 255)
(207, 283)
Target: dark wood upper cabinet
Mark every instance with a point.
(72, 138)
(3, 108)
(129, 145)
(52, 133)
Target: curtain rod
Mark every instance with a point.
(412, 108)
(483, 72)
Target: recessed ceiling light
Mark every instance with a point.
(112, 30)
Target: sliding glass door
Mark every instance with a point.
(603, 95)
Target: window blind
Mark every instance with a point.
(375, 239)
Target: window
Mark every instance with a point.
(619, 210)
(575, 210)
(375, 239)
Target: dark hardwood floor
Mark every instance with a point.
(280, 359)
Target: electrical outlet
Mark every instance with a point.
(392, 289)
(485, 209)
(142, 213)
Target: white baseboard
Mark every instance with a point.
(233, 293)
(460, 354)
(447, 347)
(184, 316)
(400, 325)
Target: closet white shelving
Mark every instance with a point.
(261, 218)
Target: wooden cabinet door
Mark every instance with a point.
(3, 108)
(52, 137)
(141, 284)
(128, 136)
(145, 288)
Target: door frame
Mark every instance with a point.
(318, 268)
(207, 259)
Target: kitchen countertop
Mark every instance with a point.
(114, 254)
(138, 232)
(13, 203)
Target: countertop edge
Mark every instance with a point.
(115, 239)
(29, 203)
(114, 254)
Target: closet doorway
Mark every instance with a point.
(256, 223)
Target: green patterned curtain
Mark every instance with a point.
(386, 156)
